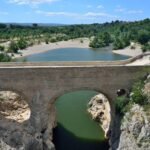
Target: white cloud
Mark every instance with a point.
(100, 6)
(76, 15)
(120, 10)
(3, 13)
(134, 12)
(67, 14)
(89, 6)
(32, 2)
(93, 14)
(126, 11)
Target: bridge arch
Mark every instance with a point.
(75, 112)
(100, 91)
(65, 91)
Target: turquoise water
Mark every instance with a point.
(76, 130)
(76, 54)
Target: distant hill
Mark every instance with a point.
(39, 24)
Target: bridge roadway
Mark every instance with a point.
(40, 84)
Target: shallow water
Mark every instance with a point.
(77, 54)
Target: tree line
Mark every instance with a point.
(119, 33)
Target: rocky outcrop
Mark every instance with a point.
(134, 128)
(13, 107)
(16, 132)
(100, 110)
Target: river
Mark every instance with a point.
(77, 54)
(76, 130)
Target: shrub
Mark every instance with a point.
(2, 48)
(138, 96)
(146, 47)
(81, 41)
(53, 40)
(46, 41)
(22, 44)
(4, 57)
(13, 47)
(120, 104)
(143, 37)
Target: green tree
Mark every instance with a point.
(2, 48)
(4, 57)
(13, 47)
(143, 37)
(22, 44)
(118, 44)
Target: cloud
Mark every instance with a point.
(126, 11)
(76, 15)
(134, 12)
(67, 14)
(3, 13)
(89, 6)
(120, 10)
(93, 14)
(100, 6)
(32, 2)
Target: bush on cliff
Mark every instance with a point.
(120, 104)
(137, 95)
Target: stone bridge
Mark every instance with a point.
(42, 83)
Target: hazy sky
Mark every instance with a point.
(73, 11)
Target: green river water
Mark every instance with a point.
(76, 130)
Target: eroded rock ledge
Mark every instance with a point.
(134, 128)
(100, 110)
(16, 132)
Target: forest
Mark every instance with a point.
(119, 33)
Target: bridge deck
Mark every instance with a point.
(69, 63)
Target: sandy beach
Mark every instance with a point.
(145, 60)
(76, 43)
(129, 52)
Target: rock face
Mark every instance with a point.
(100, 110)
(135, 130)
(13, 107)
(16, 133)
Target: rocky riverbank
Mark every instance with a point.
(16, 131)
(134, 128)
(130, 131)
(100, 110)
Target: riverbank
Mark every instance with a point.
(128, 51)
(145, 60)
(36, 49)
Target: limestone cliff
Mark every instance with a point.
(100, 110)
(134, 132)
(16, 133)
